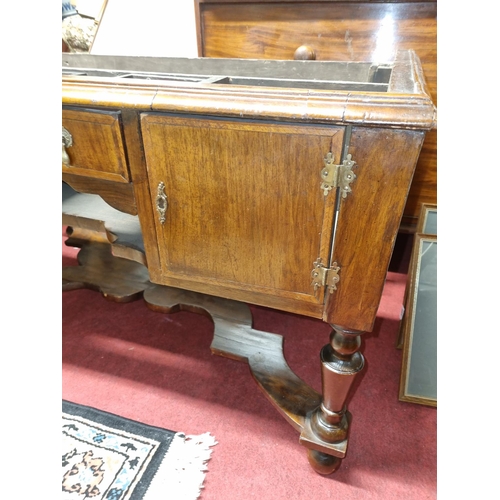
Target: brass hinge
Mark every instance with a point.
(325, 276)
(334, 176)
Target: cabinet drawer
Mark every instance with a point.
(97, 149)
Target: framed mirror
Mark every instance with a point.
(426, 224)
(418, 382)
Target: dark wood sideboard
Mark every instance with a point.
(209, 183)
(349, 30)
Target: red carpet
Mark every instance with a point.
(158, 369)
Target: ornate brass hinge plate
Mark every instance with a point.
(325, 276)
(334, 176)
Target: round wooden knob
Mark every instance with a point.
(304, 53)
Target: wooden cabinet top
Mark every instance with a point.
(340, 92)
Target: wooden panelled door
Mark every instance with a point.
(239, 205)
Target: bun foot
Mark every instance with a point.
(323, 463)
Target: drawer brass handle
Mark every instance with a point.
(67, 142)
(304, 53)
(161, 202)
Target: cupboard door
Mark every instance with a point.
(244, 213)
(97, 148)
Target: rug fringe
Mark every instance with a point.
(182, 472)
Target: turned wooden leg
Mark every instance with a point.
(340, 362)
(321, 419)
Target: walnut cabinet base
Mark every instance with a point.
(274, 183)
(322, 431)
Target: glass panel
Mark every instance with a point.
(422, 371)
(430, 226)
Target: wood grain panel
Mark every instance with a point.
(137, 163)
(97, 149)
(424, 185)
(241, 197)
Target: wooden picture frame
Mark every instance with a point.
(426, 224)
(418, 382)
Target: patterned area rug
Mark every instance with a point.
(106, 457)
